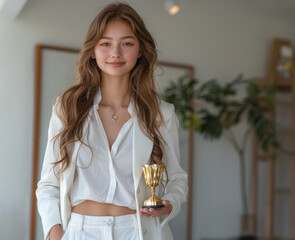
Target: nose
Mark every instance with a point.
(116, 53)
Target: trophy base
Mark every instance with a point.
(153, 202)
(153, 206)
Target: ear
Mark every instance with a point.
(139, 54)
(93, 54)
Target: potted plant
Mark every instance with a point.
(224, 110)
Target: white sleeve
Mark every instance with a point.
(176, 189)
(47, 193)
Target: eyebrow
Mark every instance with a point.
(122, 38)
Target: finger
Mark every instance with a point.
(154, 212)
(159, 211)
(148, 212)
(144, 211)
(145, 214)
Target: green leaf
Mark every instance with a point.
(211, 127)
(253, 91)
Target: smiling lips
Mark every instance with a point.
(116, 64)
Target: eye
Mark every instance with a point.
(127, 44)
(105, 44)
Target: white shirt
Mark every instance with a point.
(106, 176)
(53, 192)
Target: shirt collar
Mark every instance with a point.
(98, 98)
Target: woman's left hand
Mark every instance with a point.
(157, 212)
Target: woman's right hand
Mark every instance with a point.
(56, 232)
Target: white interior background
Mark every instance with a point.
(220, 38)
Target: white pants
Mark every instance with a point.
(82, 227)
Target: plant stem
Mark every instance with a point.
(246, 136)
(243, 188)
(242, 165)
(233, 140)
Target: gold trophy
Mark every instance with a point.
(153, 175)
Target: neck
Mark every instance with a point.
(115, 92)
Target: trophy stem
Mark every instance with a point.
(153, 191)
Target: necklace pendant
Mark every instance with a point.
(114, 117)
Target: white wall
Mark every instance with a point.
(220, 38)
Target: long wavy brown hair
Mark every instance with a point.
(76, 101)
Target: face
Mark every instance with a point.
(117, 50)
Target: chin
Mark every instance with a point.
(114, 74)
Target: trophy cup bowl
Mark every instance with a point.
(153, 175)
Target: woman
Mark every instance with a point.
(102, 130)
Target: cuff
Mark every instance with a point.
(47, 230)
(161, 221)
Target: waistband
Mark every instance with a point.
(84, 221)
